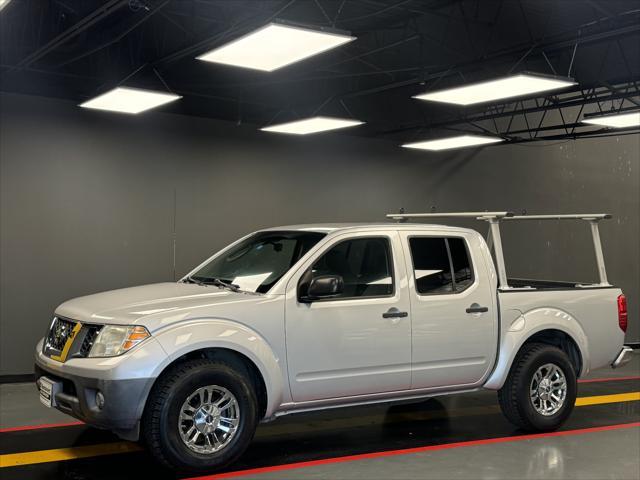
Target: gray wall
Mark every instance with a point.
(584, 176)
(93, 201)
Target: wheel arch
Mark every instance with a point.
(233, 358)
(232, 343)
(561, 340)
(549, 326)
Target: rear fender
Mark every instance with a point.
(524, 327)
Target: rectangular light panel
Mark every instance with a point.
(312, 125)
(129, 100)
(453, 142)
(620, 120)
(508, 87)
(275, 46)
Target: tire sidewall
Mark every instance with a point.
(177, 452)
(537, 420)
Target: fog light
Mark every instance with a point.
(100, 400)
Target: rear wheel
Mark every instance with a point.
(201, 415)
(540, 391)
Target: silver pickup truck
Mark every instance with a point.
(310, 317)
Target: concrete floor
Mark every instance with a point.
(601, 454)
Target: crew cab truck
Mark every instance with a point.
(310, 317)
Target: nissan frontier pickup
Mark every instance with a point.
(311, 317)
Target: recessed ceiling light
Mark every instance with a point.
(129, 100)
(312, 125)
(453, 142)
(617, 120)
(275, 46)
(501, 88)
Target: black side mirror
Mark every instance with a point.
(323, 286)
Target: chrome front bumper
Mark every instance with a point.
(623, 357)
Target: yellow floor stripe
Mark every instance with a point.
(72, 453)
(600, 399)
(62, 454)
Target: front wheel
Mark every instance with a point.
(540, 391)
(201, 415)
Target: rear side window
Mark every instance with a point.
(440, 265)
(462, 272)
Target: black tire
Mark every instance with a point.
(159, 423)
(514, 396)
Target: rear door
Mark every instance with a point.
(453, 309)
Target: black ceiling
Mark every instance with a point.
(75, 49)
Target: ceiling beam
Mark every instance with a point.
(76, 29)
(147, 15)
(567, 102)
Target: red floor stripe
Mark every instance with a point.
(608, 379)
(38, 427)
(71, 424)
(430, 448)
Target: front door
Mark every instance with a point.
(360, 341)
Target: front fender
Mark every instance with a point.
(527, 325)
(215, 333)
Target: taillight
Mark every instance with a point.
(623, 316)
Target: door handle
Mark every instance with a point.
(475, 308)
(394, 313)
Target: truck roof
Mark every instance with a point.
(336, 227)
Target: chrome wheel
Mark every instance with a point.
(548, 389)
(209, 419)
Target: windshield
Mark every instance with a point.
(259, 261)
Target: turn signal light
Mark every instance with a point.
(623, 316)
(136, 335)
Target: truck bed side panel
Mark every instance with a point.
(588, 315)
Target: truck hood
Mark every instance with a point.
(154, 303)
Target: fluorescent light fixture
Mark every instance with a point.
(275, 46)
(129, 100)
(453, 142)
(508, 87)
(617, 120)
(4, 3)
(312, 125)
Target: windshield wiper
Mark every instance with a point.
(192, 280)
(221, 283)
(214, 281)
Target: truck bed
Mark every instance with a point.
(544, 284)
(591, 314)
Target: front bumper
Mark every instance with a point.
(124, 397)
(120, 412)
(623, 357)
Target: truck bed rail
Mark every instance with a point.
(494, 239)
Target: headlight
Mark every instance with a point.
(114, 340)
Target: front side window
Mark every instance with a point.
(364, 264)
(259, 261)
(440, 265)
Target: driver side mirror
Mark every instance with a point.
(323, 286)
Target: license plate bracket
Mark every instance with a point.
(48, 390)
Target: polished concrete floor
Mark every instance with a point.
(454, 437)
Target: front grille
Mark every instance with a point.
(60, 332)
(90, 335)
(58, 335)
